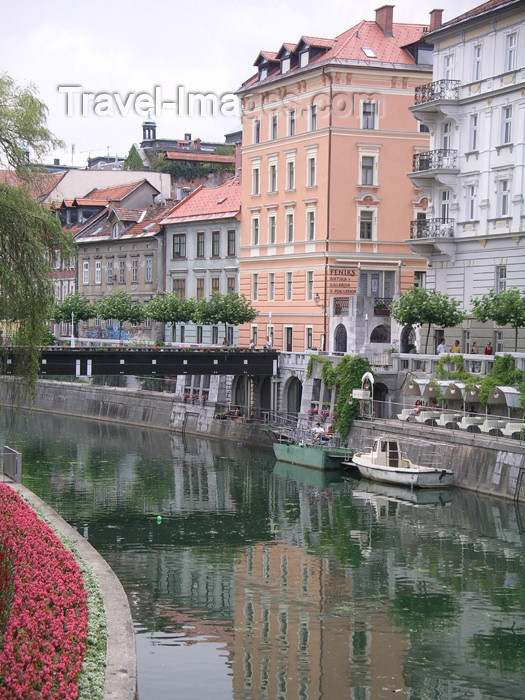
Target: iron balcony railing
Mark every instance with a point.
(440, 159)
(382, 306)
(432, 228)
(439, 90)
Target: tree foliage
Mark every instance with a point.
(133, 160)
(419, 306)
(75, 306)
(170, 308)
(505, 308)
(232, 308)
(119, 306)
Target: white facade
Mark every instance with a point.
(474, 174)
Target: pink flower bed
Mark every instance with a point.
(43, 607)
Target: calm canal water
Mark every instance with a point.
(263, 581)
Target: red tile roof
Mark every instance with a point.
(208, 203)
(480, 9)
(199, 157)
(116, 193)
(41, 184)
(318, 42)
(141, 223)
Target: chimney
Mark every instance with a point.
(435, 19)
(384, 18)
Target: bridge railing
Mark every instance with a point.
(12, 464)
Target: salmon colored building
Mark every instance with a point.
(328, 139)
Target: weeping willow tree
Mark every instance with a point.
(30, 235)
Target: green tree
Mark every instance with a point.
(419, 306)
(506, 308)
(232, 308)
(170, 308)
(30, 236)
(120, 307)
(75, 306)
(133, 160)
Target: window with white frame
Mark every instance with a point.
(255, 286)
(448, 67)
(290, 225)
(304, 57)
(368, 114)
(134, 271)
(57, 260)
(474, 132)
(57, 291)
(72, 286)
(446, 135)
(272, 177)
(255, 230)
(122, 271)
(498, 341)
(109, 271)
(312, 117)
(503, 197)
(289, 286)
(256, 131)
(366, 224)
(272, 229)
(273, 125)
(367, 170)
(271, 286)
(98, 271)
(476, 62)
(501, 278)
(149, 270)
(471, 202)
(309, 285)
(506, 124)
(445, 204)
(256, 185)
(285, 64)
(311, 165)
(85, 272)
(291, 122)
(420, 279)
(511, 45)
(310, 224)
(290, 174)
(309, 337)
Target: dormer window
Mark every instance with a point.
(285, 64)
(304, 57)
(263, 72)
(115, 230)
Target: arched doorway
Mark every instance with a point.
(294, 393)
(266, 394)
(240, 393)
(340, 339)
(408, 339)
(380, 398)
(380, 334)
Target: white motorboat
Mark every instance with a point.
(385, 462)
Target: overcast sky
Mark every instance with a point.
(126, 46)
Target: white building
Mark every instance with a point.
(473, 235)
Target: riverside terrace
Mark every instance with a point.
(66, 361)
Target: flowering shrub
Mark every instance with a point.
(44, 639)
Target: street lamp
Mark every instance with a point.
(317, 299)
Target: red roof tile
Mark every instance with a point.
(40, 185)
(208, 203)
(199, 157)
(113, 193)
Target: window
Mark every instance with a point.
(109, 272)
(215, 335)
(114, 230)
(367, 170)
(255, 286)
(122, 271)
(200, 288)
(179, 245)
(506, 124)
(446, 135)
(85, 272)
(445, 204)
(149, 270)
(476, 62)
(231, 243)
(449, 67)
(199, 334)
(471, 202)
(215, 244)
(273, 127)
(263, 72)
(309, 337)
(289, 286)
(98, 271)
(378, 284)
(423, 128)
(304, 57)
(498, 341)
(313, 117)
(179, 287)
(289, 227)
(271, 229)
(230, 284)
(309, 285)
(285, 64)
(366, 220)
(182, 333)
(290, 175)
(255, 230)
(474, 122)
(291, 122)
(420, 279)
(215, 285)
(255, 181)
(501, 278)
(200, 244)
(256, 131)
(311, 167)
(510, 51)
(310, 225)
(56, 263)
(368, 115)
(503, 197)
(271, 286)
(272, 178)
(134, 271)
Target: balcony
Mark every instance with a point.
(430, 237)
(439, 165)
(382, 306)
(438, 90)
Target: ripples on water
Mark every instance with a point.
(266, 581)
